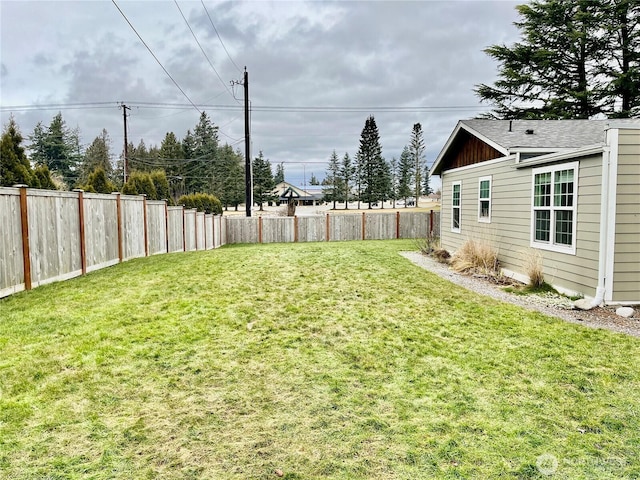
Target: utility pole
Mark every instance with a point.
(248, 177)
(125, 166)
(247, 145)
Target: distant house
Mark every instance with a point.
(285, 190)
(568, 190)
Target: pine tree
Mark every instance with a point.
(370, 162)
(394, 170)
(346, 173)
(14, 164)
(171, 158)
(97, 155)
(575, 60)
(426, 181)
(262, 180)
(417, 149)
(406, 169)
(279, 176)
(57, 147)
(332, 180)
(205, 136)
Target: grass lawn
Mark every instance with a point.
(323, 360)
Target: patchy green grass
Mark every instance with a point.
(338, 360)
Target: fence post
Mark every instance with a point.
(295, 228)
(260, 229)
(397, 225)
(364, 224)
(26, 250)
(83, 245)
(327, 234)
(184, 230)
(119, 223)
(195, 229)
(166, 225)
(430, 223)
(146, 230)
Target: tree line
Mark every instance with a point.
(174, 171)
(369, 178)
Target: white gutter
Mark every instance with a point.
(606, 242)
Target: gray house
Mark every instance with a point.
(565, 190)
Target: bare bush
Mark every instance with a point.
(476, 257)
(533, 267)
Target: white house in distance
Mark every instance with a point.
(568, 190)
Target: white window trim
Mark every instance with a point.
(568, 249)
(480, 180)
(459, 207)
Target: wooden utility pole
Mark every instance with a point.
(125, 166)
(247, 145)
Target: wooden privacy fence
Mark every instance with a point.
(332, 227)
(47, 235)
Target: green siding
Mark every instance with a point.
(626, 260)
(510, 229)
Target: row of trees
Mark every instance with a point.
(369, 178)
(196, 164)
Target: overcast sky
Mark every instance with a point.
(317, 70)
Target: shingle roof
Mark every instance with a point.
(510, 136)
(547, 134)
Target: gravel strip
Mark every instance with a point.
(553, 305)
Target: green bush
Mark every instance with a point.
(140, 183)
(98, 182)
(161, 184)
(203, 202)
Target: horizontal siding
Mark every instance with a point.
(510, 229)
(626, 259)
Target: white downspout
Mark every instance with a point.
(604, 224)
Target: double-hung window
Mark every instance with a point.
(554, 207)
(455, 206)
(484, 200)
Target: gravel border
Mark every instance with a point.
(553, 305)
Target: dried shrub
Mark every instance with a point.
(429, 244)
(441, 255)
(476, 257)
(533, 267)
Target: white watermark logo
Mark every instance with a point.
(547, 464)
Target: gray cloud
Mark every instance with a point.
(315, 54)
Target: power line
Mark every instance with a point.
(258, 108)
(202, 49)
(219, 38)
(154, 56)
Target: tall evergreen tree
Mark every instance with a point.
(171, 157)
(394, 170)
(426, 182)
(205, 136)
(621, 21)
(57, 147)
(97, 155)
(406, 169)
(229, 176)
(14, 164)
(575, 60)
(279, 176)
(347, 173)
(417, 149)
(332, 183)
(370, 162)
(262, 180)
